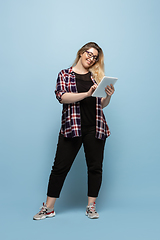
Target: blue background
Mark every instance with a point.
(38, 39)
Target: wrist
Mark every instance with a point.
(87, 94)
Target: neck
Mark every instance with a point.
(78, 68)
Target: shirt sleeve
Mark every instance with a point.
(60, 87)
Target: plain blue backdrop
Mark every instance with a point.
(39, 38)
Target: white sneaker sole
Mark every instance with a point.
(92, 217)
(45, 216)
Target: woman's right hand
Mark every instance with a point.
(68, 98)
(91, 90)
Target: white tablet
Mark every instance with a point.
(100, 90)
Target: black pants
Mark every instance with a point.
(67, 149)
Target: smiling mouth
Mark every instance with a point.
(88, 62)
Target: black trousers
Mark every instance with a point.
(67, 149)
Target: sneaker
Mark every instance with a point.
(44, 213)
(91, 211)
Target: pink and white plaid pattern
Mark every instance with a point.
(71, 119)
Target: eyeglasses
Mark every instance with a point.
(90, 55)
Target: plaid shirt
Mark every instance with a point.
(71, 118)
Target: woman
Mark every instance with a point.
(83, 121)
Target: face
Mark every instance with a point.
(88, 58)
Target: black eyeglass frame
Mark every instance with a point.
(90, 55)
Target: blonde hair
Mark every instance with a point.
(97, 69)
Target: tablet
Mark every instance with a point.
(100, 90)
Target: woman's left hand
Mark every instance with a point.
(109, 90)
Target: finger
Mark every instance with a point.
(109, 92)
(112, 86)
(109, 88)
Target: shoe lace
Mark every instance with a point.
(92, 208)
(43, 208)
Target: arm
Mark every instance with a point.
(75, 97)
(109, 91)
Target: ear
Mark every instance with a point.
(81, 54)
